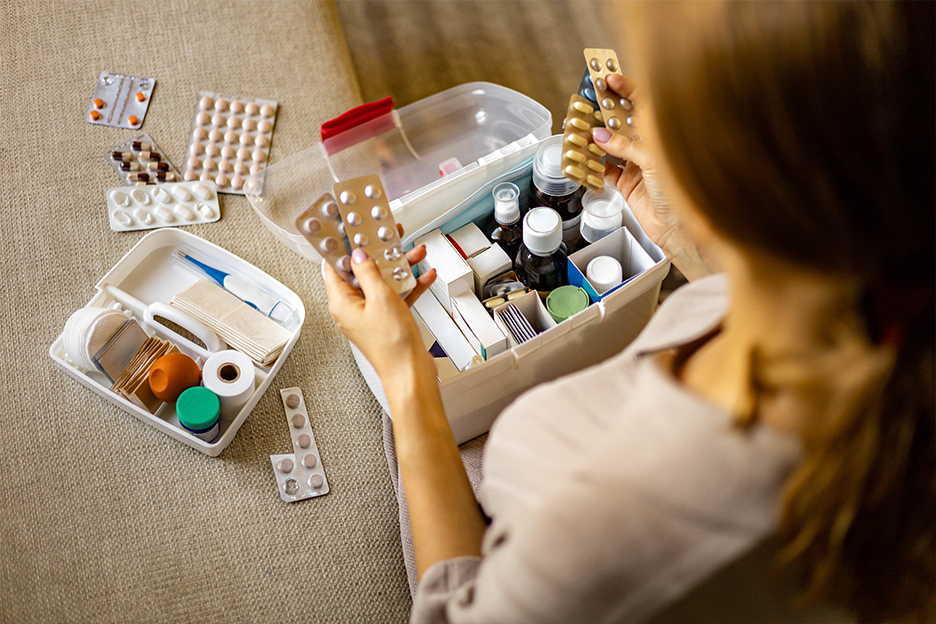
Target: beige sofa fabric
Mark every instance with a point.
(103, 518)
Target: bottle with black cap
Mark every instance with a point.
(541, 261)
(551, 188)
(504, 227)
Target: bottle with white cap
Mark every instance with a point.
(602, 213)
(551, 188)
(541, 261)
(504, 227)
(604, 273)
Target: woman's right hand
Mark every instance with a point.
(639, 180)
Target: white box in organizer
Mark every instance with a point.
(229, 141)
(164, 205)
(495, 132)
(146, 276)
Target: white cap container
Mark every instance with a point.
(604, 273)
(506, 203)
(602, 213)
(542, 231)
(547, 169)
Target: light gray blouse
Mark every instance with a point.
(612, 492)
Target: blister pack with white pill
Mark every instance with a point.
(581, 158)
(365, 223)
(120, 101)
(616, 110)
(300, 474)
(230, 142)
(139, 161)
(177, 203)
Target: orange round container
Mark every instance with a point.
(173, 374)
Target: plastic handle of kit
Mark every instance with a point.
(355, 117)
(213, 343)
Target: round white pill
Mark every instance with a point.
(259, 155)
(205, 176)
(181, 194)
(262, 140)
(309, 460)
(184, 213)
(141, 196)
(266, 110)
(221, 180)
(211, 150)
(354, 219)
(240, 167)
(162, 196)
(385, 233)
(199, 133)
(221, 104)
(163, 213)
(236, 106)
(214, 135)
(347, 198)
(208, 163)
(249, 124)
(224, 165)
(227, 151)
(217, 120)
(205, 103)
(122, 217)
(237, 182)
(195, 148)
(245, 138)
(379, 213)
(285, 465)
(361, 239)
(202, 118)
(190, 175)
(230, 136)
(344, 263)
(201, 191)
(205, 210)
(233, 122)
(316, 481)
(253, 185)
(255, 168)
(193, 162)
(304, 440)
(264, 126)
(243, 154)
(251, 108)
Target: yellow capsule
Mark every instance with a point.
(574, 172)
(579, 124)
(576, 139)
(575, 156)
(597, 151)
(595, 166)
(594, 181)
(582, 107)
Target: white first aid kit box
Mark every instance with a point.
(439, 158)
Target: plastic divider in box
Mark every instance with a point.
(230, 141)
(534, 312)
(620, 245)
(147, 207)
(145, 279)
(140, 161)
(488, 128)
(120, 101)
(300, 474)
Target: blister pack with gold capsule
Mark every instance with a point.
(617, 111)
(581, 158)
(369, 225)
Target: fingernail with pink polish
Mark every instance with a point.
(358, 256)
(601, 135)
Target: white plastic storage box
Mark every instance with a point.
(144, 282)
(439, 159)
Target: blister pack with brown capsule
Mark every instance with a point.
(581, 158)
(617, 111)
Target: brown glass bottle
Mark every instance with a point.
(541, 263)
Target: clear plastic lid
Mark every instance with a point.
(602, 213)
(547, 169)
(542, 231)
(506, 203)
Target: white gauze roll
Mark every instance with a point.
(230, 374)
(89, 329)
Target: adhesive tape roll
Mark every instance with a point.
(230, 375)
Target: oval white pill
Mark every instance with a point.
(264, 126)
(251, 108)
(266, 110)
(163, 213)
(184, 213)
(143, 216)
(122, 217)
(201, 191)
(120, 198)
(181, 193)
(249, 124)
(205, 210)
(162, 196)
(141, 196)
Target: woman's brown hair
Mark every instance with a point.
(805, 131)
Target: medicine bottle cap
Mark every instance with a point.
(547, 169)
(542, 231)
(566, 301)
(604, 273)
(506, 203)
(601, 213)
(198, 409)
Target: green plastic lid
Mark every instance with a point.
(198, 408)
(566, 301)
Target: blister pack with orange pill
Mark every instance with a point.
(119, 100)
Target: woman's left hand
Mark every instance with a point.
(378, 321)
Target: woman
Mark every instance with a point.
(789, 146)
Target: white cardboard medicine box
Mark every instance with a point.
(492, 133)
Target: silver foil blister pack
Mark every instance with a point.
(300, 474)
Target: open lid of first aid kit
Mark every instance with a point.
(414, 149)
